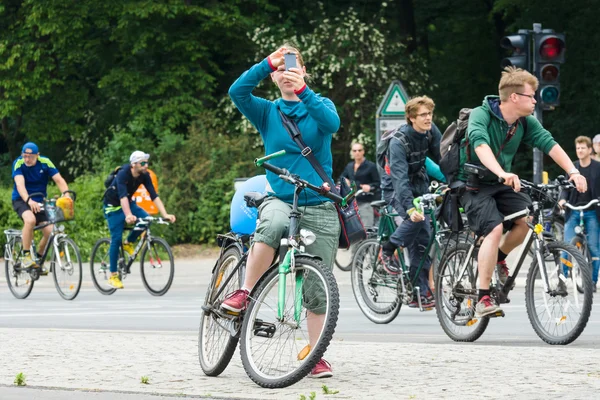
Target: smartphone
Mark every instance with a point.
(290, 61)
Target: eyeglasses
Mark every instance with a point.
(355, 150)
(143, 163)
(531, 96)
(28, 155)
(425, 114)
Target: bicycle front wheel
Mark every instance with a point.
(66, 269)
(559, 313)
(456, 295)
(219, 331)
(375, 291)
(157, 266)
(19, 281)
(278, 352)
(100, 266)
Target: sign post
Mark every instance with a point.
(390, 113)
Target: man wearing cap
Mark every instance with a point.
(31, 173)
(596, 145)
(120, 209)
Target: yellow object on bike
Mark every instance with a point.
(67, 207)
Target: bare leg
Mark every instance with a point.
(488, 255)
(28, 225)
(43, 243)
(515, 236)
(259, 259)
(314, 323)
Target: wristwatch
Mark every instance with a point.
(573, 171)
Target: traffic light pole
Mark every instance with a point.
(538, 156)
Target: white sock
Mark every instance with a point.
(246, 289)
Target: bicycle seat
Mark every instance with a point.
(378, 203)
(254, 199)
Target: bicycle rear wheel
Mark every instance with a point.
(157, 266)
(100, 266)
(582, 247)
(456, 296)
(560, 314)
(66, 269)
(219, 332)
(19, 281)
(277, 352)
(374, 289)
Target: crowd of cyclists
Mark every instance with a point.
(495, 131)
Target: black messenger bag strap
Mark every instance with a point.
(292, 128)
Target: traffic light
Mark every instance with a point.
(519, 45)
(548, 55)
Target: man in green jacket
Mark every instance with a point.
(495, 131)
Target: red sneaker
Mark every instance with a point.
(321, 370)
(236, 301)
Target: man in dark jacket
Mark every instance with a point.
(590, 169)
(364, 173)
(405, 167)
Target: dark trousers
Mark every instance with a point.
(415, 237)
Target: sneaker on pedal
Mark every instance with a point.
(28, 262)
(486, 307)
(128, 248)
(321, 370)
(236, 301)
(503, 273)
(115, 282)
(390, 264)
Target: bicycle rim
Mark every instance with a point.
(66, 269)
(276, 353)
(100, 266)
(456, 297)
(559, 315)
(343, 258)
(19, 281)
(374, 289)
(583, 249)
(216, 344)
(157, 266)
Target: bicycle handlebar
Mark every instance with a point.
(581, 208)
(42, 194)
(295, 180)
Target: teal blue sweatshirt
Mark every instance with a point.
(317, 120)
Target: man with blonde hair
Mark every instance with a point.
(405, 178)
(495, 131)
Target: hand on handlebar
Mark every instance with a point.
(130, 219)
(580, 182)
(169, 217)
(417, 217)
(34, 206)
(511, 180)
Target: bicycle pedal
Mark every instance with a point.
(423, 309)
(497, 314)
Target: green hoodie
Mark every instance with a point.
(487, 126)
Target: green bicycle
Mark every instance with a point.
(379, 294)
(275, 347)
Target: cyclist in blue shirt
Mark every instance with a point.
(119, 208)
(31, 173)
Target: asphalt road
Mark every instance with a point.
(134, 309)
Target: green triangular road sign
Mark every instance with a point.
(395, 102)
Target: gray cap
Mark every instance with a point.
(596, 139)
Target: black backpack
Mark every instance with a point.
(108, 182)
(384, 145)
(451, 143)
